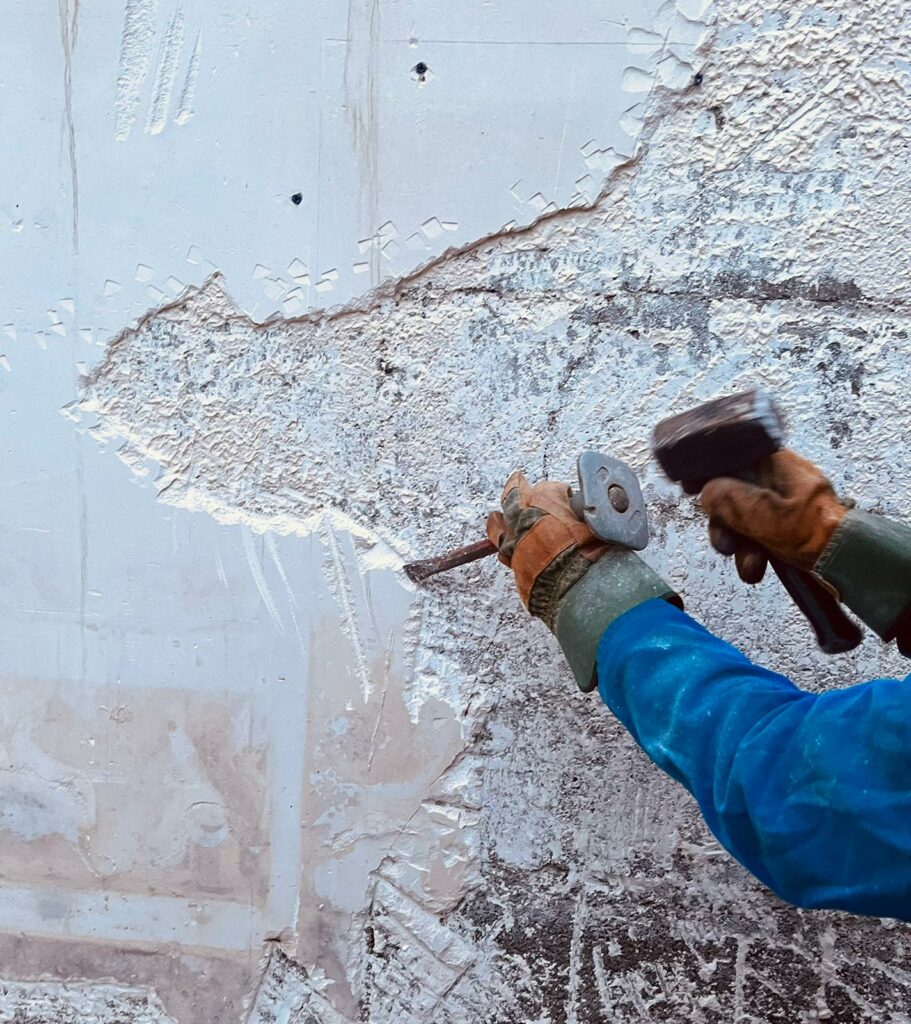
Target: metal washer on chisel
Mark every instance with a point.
(610, 501)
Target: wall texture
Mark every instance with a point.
(253, 773)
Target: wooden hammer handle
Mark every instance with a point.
(835, 632)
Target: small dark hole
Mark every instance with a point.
(420, 68)
(697, 78)
(297, 198)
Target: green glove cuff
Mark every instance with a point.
(868, 561)
(618, 581)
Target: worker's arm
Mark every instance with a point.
(868, 562)
(809, 792)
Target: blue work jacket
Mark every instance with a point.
(810, 792)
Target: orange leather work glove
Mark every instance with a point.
(791, 512)
(542, 541)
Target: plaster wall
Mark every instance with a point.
(306, 287)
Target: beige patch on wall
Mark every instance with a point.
(159, 793)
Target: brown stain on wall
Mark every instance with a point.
(165, 801)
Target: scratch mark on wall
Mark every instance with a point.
(186, 111)
(575, 957)
(379, 715)
(569, 105)
(256, 570)
(362, 54)
(69, 12)
(83, 555)
(341, 589)
(168, 59)
(601, 978)
(135, 59)
(220, 569)
(743, 947)
(293, 609)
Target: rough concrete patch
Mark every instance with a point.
(53, 1002)
(289, 994)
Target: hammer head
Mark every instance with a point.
(721, 438)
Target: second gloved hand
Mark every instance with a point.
(566, 576)
(791, 511)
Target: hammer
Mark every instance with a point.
(728, 437)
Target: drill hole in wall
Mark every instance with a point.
(420, 71)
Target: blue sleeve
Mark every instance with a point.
(810, 792)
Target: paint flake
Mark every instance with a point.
(164, 78)
(274, 288)
(185, 109)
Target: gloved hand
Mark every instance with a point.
(566, 576)
(541, 540)
(791, 512)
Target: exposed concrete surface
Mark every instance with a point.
(398, 792)
(50, 1001)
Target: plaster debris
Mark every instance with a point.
(185, 109)
(135, 61)
(168, 58)
(49, 1001)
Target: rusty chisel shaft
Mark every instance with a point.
(417, 572)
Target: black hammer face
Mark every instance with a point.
(721, 438)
